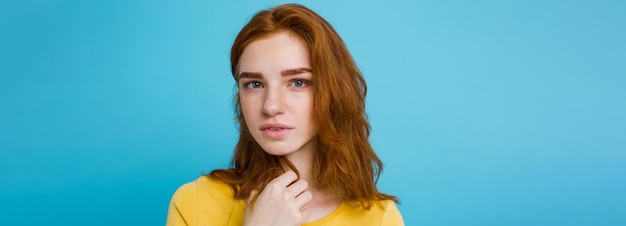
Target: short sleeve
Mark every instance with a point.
(392, 216)
(183, 206)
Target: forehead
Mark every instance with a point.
(274, 53)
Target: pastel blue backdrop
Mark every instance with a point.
(484, 112)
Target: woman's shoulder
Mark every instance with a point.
(205, 199)
(391, 214)
(203, 187)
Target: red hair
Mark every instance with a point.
(344, 162)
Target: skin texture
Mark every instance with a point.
(280, 203)
(275, 90)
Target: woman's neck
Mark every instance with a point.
(302, 160)
(323, 202)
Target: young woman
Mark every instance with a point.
(303, 155)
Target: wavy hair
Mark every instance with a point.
(344, 162)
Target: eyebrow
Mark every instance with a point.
(288, 72)
(296, 71)
(250, 75)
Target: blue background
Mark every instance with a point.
(484, 112)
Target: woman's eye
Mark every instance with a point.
(299, 83)
(254, 85)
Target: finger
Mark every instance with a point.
(303, 199)
(297, 187)
(285, 179)
(305, 215)
(252, 194)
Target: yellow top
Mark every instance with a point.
(208, 201)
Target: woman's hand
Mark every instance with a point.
(280, 203)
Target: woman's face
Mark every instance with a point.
(276, 94)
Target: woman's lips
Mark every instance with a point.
(275, 132)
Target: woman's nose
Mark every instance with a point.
(273, 103)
